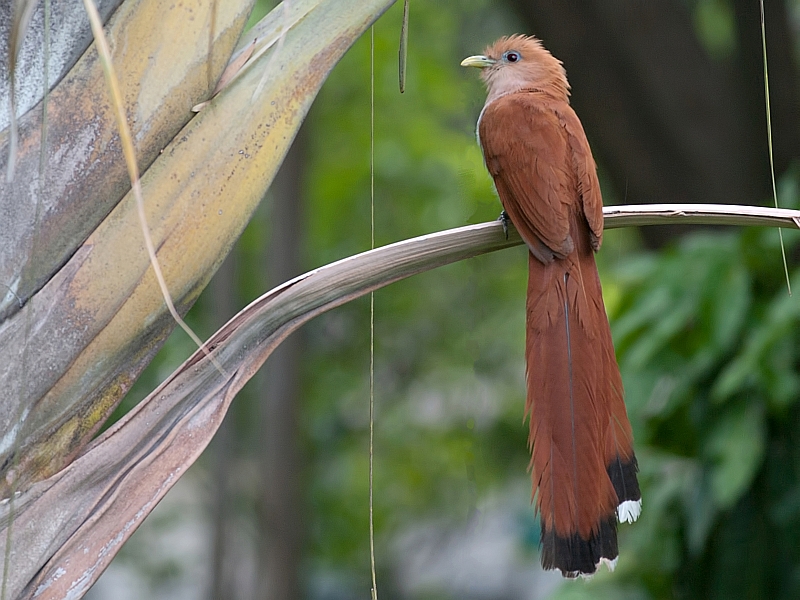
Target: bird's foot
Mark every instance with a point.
(503, 218)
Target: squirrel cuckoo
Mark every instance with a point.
(582, 462)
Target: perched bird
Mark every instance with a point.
(582, 462)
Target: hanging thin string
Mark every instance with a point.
(372, 305)
(769, 143)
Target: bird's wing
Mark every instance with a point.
(527, 151)
(586, 172)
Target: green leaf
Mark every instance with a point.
(735, 449)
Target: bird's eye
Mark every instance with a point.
(511, 56)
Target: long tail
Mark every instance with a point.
(582, 462)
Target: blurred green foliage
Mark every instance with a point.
(715, 25)
(707, 340)
(706, 335)
(449, 375)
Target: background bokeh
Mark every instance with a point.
(671, 95)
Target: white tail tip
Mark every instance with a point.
(629, 511)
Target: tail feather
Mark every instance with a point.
(619, 457)
(576, 556)
(582, 462)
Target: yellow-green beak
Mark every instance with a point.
(478, 61)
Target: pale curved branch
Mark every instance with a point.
(699, 214)
(92, 506)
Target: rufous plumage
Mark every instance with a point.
(583, 467)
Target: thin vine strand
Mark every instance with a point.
(769, 142)
(372, 310)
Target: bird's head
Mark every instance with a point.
(519, 62)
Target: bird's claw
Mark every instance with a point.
(503, 218)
